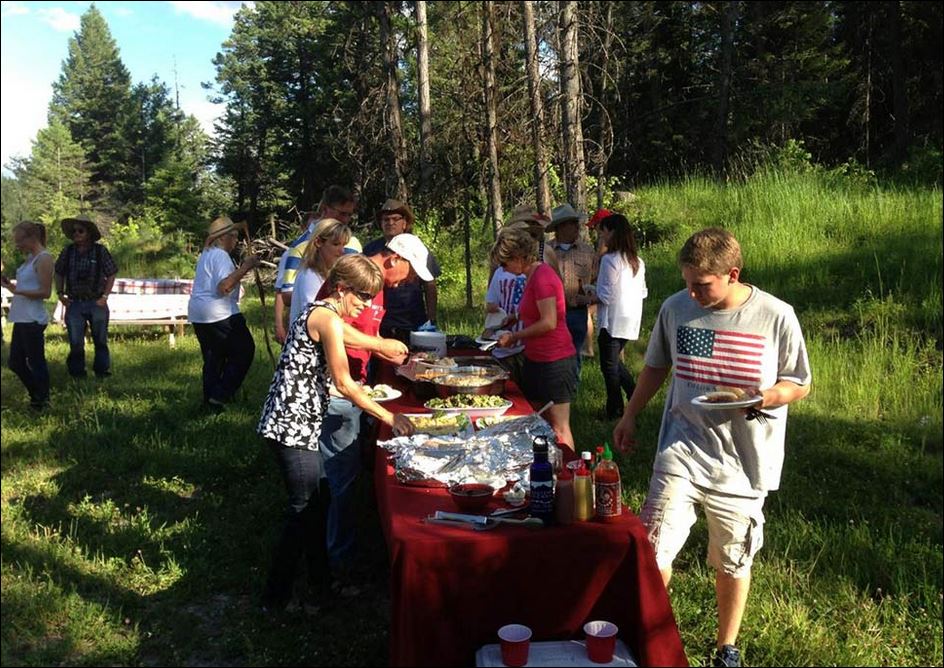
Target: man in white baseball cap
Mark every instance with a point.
(410, 294)
(410, 248)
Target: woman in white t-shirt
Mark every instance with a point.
(32, 287)
(225, 340)
(621, 288)
(324, 248)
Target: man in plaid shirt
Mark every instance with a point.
(85, 273)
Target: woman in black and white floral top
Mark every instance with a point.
(314, 356)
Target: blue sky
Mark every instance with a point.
(151, 38)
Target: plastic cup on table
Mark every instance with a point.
(515, 644)
(601, 640)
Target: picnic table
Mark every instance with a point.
(452, 588)
(146, 301)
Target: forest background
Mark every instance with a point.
(467, 109)
(810, 129)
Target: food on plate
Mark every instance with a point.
(439, 424)
(472, 380)
(725, 395)
(380, 391)
(469, 401)
(431, 374)
(491, 421)
(433, 358)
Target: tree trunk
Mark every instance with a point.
(422, 74)
(491, 118)
(575, 167)
(868, 95)
(541, 190)
(467, 240)
(394, 124)
(309, 174)
(720, 148)
(605, 126)
(899, 83)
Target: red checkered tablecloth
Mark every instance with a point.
(152, 286)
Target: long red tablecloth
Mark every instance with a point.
(452, 588)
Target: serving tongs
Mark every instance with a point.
(480, 522)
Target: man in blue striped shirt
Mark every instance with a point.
(337, 202)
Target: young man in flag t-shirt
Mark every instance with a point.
(718, 332)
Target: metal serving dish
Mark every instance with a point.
(471, 380)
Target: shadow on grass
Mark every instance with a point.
(183, 506)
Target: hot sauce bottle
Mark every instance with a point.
(607, 489)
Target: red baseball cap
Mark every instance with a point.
(597, 217)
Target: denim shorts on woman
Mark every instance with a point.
(735, 523)
(550, 381)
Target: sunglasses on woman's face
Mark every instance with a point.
(363, 296)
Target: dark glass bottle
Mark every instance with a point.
(542, 482)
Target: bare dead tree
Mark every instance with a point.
(574, 163)
(542, 191)
(491, 118)
(394, 122)
(422, 75)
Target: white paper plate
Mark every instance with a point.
(474, 412)
(391, 395)
(727, 405)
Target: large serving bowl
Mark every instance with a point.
(471, 497)
(472, 411)
(471, 380)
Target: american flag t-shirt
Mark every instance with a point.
(719, 357)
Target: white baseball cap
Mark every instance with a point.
(410, 248)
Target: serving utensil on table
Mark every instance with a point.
(481, 522)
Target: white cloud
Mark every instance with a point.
(206, 112)
(23, 107)
(13, 8)
(215, 11)
(122, 11)
(59, 19)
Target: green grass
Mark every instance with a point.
(136, 529)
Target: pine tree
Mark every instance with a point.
(55, 178)
(93, 99)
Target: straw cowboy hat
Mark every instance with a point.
(218, 228)
(527, 216)
(565, 213)
(68, 226)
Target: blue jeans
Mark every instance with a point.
(304, 531)
(228, 351)
(577, 325)
(342, 462)
(28, 359)
(616, 377)
(78, 313)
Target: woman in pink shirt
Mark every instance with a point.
(550, 359)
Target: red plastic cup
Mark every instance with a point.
(601, 640)
(515, 644)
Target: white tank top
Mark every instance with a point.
(28, 309)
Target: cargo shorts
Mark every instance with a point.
(735, 523)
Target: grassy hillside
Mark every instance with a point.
(136, 529)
